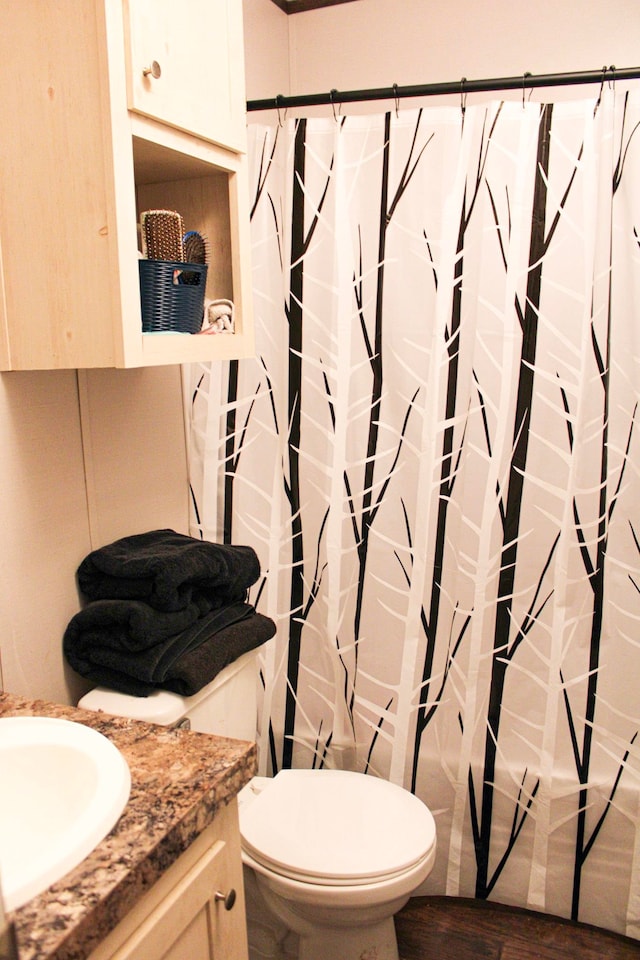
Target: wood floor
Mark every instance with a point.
(446, 928)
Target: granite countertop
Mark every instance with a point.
(179, 780)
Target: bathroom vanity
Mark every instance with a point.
(167, 880)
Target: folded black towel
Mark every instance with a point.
(130, 625)
(102, 648)
(168, 571)
(201, 664)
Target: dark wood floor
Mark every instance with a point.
(447, 928)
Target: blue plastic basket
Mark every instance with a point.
(172, 296)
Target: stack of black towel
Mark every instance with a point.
(165, 611)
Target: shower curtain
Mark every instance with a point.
(436, 455)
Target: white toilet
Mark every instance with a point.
(329, 854)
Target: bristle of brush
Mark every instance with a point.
(196, 247)
(162, 232)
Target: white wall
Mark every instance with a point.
(373, 43)
(86, 458)
(266, 49)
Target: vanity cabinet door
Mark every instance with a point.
(186, 915)
(186, 66)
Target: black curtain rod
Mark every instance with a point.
(462, 87)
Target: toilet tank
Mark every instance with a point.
(227, 706)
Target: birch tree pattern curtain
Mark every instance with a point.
(436, 455)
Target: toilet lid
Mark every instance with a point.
(335, 826)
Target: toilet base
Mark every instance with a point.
(269, 938)
(372, 942)
(336, 934)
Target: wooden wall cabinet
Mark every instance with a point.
(90, 139)
(185, 914)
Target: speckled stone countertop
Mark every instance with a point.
(179, 780)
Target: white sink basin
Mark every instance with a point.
(63, 786)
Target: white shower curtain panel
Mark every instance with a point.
(436, 455)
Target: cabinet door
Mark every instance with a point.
(181, 918)
(186, 66)
(189, 922)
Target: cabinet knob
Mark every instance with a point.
(228, 899)
(154, 70)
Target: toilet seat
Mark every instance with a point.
(336, 827)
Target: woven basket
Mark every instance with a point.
(172, 296)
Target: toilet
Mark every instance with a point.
(329, 856)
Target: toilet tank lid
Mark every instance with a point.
(161, 706)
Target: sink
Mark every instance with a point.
(63, 787)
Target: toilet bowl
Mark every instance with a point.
(335, 855)
(329, 855)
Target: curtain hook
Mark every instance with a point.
(612, 81)
(280, 121)
(333, 105)
(524, 77)
(396, 99)
(463, 96)
(604, 75)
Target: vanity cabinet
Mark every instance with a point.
(90, 139)
(196, 910)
